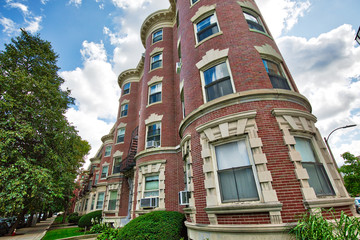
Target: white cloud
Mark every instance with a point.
(282, 15)
(9, 26)
(326, 71)
(95, 89)
(133, 4)
(33, 25)
(76, 3)
(20, 6)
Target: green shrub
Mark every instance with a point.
(99, 228)
(73, 218)
(315, 226)
(155, 225)
(90, 219)
(58, 219)
(108, 234)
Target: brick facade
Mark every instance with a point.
(265, 117)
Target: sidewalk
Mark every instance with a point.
(31, 233)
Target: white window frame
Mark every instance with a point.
(108, 151)
(97, 200)
(203, 17)
(147, 132)
(116, 199)
(124, 110)
(149, 93)
(154, 40)
(281, 69)
(93, 199)
(144, 189)
(192, 3)
(118, 134)
(102, 171)
(152, 60)
(126, 88)
(253, 167)
(213, 64)
(318, 162)
(114, 161)
(258, 19)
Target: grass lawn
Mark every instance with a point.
(62, 233)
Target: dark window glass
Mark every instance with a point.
(318, 178)
(156, 61)
(253, 22)
(157, 36)
(117, 165)
(153, 135)
(120, 135)
(124, 110)
(155, 93)
(277, 78)
(126, 88)
(217, 82)
(206, 27)
(194, 1)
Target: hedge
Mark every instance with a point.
(157, 225)
(86, 220)
(73, 218)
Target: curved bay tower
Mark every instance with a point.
(211, 124)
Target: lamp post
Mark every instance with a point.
(327, 139)
(357, 38)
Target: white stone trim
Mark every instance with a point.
(211, 56)
(117, 154)
(268, 50)
(155, 79)
(225, 129)
(153, 118)
(202, 11)
(121, 125)
(156, 50)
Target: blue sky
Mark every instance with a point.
(98, 39)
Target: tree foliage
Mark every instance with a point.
(40, 151)
(351, 171)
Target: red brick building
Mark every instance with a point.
(212, 114)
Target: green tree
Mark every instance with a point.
(351, 171)
(40, 151)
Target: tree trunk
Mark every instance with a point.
(20, 217)
(30, 219)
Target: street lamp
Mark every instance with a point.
(327, 139)
(357, 38)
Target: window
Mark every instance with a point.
(126, 89)
(183, 104)
(117, 165)
(157, 36)
(90, 184)
(124, 110)
(155, 93)
(151, 186)
(276, 75)
(153, 135)
(217, 81)
(112, 200)
(156, 61)
(104, 172)
(206, 27)
(86, 203)
(235, 172)
(100, 200)
(194, 1)
(107, 151)
(120, 135)
(254, 22)
(318, 178)
(93, 202)
(96, 179)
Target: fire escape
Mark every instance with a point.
(129, 162)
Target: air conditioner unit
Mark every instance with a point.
(178, 67)
(184, 197)
(149, 202)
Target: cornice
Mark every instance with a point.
(165, 15)
(131, 73)
(155, 151)
(108, 137)
(244, 97)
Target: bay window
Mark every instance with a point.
(277, 77)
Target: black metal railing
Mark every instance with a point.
(129, 162)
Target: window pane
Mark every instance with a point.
(250, 17)
(206, 27)
(156, 58)
(100, 200)
(152, 183)
(126, 88)
(232, 155)
(304, 147)
(107, 151)
(228, 186)
(246, 185)
(113, 195)
(155, 88)
(157, 36)
(104, 171)
(318, 179)
(96, 179)
(272, 67)
(218, 89)
(216, 72)
(117, 165)
(151, 194)
(205, 23)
